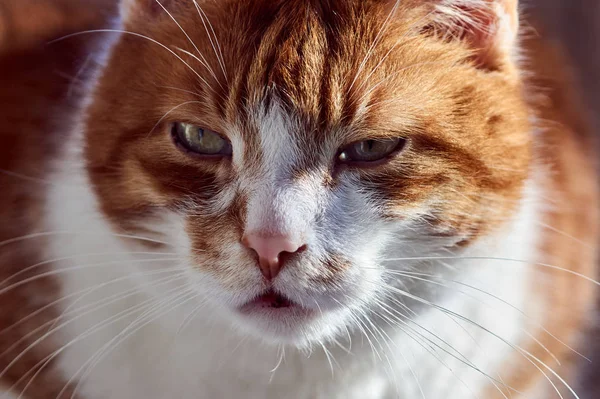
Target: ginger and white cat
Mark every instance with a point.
(307, 199)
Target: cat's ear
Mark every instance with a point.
(490, 27)
(128, 8)
(143, 8)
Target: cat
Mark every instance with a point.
(297, 199)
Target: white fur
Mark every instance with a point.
(275, 205)
(210, 358)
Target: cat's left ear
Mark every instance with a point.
(490, 27)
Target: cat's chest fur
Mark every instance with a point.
(113, 351)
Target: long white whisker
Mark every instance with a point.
(113, 319)
(533, 263)
(203, 62)
(121, 295)
(359, 325)
(154, 313)
(88, 309)
(68, 269)
(81, 293)
(65, 232)
(537, 324)
(143, 37)
(386, 339)
(564, 234)
(454, 354)
(50, 261)
(215, 43)
(526, 354)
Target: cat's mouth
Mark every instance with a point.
(278, 316)
(269, 300)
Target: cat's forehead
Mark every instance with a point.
(327, 67)
(333, 72)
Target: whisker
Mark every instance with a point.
(386, 339)
(384, 26)
(403, 39)
(188, 319)
(44, 362)
(533, 263)
(88, 309)
(564, 234)
(82, 294)
(113, 319)
(140, 36)
(47, 262)
(329, 358)
(398, 317)
(169, 112)
(26, 178)
(200, 61)
(358, 324)
(279, 362)
(204, 62)
(456, 355)
(121, 295)
(526, 354)
(65, 232)
(84, 267)
(181, 90)
(537, 324)
(170, 304)
(215, 44)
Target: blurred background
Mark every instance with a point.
(26, 27)
(576, 25)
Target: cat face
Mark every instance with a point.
(287, 149)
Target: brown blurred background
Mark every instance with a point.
(576, 24)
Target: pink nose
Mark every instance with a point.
(271, 251)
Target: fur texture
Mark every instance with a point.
(466, 255)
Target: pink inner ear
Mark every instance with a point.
(490, 30)
(482, 35)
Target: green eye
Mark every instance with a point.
(200, 141)
(371, 150)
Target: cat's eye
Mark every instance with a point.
(368, 151)
(200, 141)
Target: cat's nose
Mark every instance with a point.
(272, 251)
